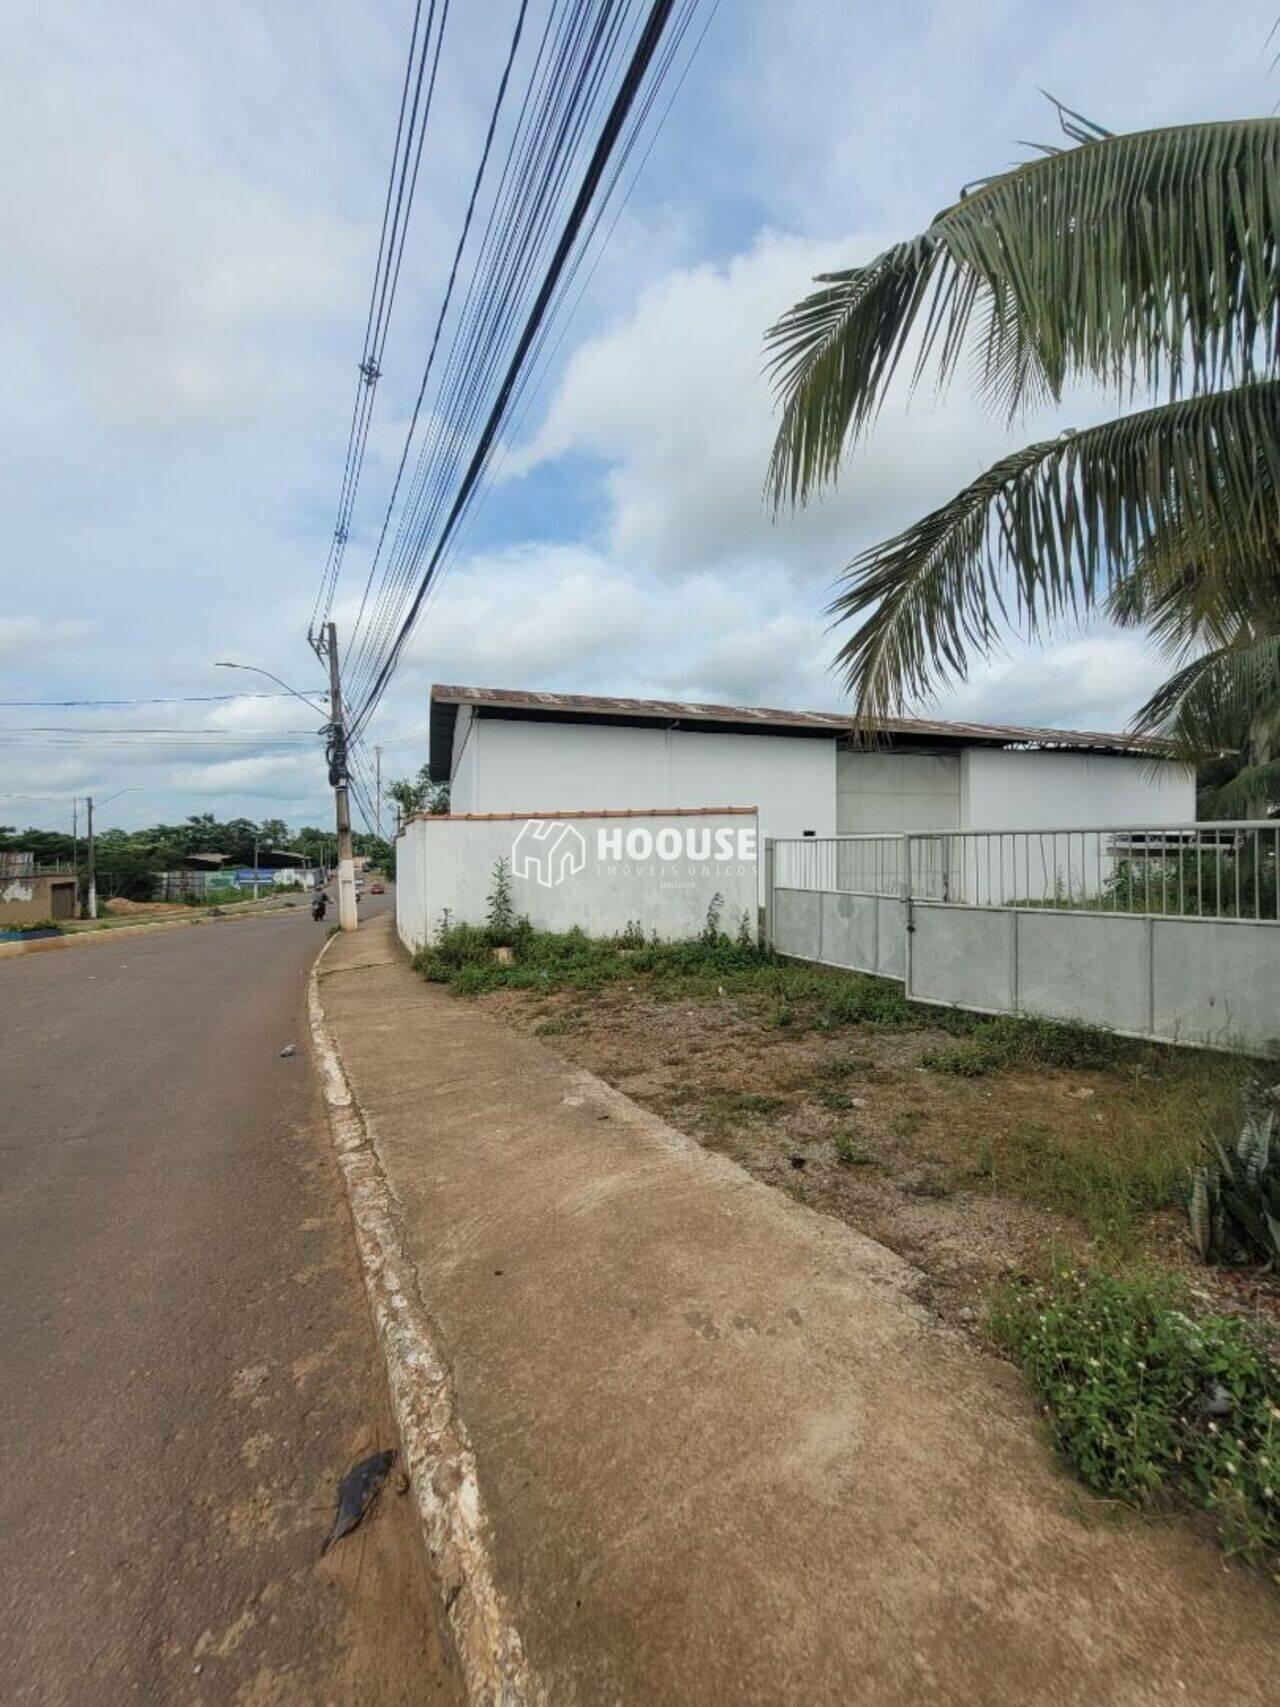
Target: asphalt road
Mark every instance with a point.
(187, 1355)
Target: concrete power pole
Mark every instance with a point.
(91, 889)
(377, 779)
(338, 777)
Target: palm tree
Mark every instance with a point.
(1149, 263)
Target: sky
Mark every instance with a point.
(188, 225)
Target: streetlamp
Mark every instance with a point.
(255, 670)
(337, 775)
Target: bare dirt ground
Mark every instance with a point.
(965, 1177)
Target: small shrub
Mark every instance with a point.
(551, 1028)
(632, 935)
(745, 937)
(501, 907)
(1147, 1402)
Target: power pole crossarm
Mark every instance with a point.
(338, 776)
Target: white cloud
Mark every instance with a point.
(23, 636)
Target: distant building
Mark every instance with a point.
(204, 874)
(31, 893)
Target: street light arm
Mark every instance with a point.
(256, 670)
(134, 789)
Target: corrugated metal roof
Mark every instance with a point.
(595, 708)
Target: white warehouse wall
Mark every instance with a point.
(597, 873)
(895, 792)
(1002, 790)
(543, 767)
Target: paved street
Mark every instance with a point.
(188, 1359)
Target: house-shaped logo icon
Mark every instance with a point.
(548, 851)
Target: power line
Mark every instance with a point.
(91, 731)
(541, 363)
(161, 699)
(395, 227)
(448, 296)
(620, 108)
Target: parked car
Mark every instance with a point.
(377, 889)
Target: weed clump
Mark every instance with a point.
(990, 1045)
(1150, 1404)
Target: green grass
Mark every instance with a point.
(850, 1153)
(833, 1099)
(1150, 1404)
(754, 1102)
(990, 1045)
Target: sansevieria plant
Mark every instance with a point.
(1234, 1206)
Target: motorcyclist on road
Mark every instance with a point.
(319, 905)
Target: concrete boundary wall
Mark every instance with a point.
(598, 871)
(1205, 982)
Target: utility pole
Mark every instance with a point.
(255, 867)
(75, 847)
(338, 777)
(377, 776)
(91, 893)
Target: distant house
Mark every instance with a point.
(808, 773)
(30, 893)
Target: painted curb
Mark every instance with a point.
(437, 1451)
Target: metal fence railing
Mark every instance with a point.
(859, 865)
(1220, 870)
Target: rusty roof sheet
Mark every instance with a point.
(590, 707)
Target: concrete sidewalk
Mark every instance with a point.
(721, 1454)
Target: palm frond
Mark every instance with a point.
(1189, 600)
(1050, 530)
(1227, 698)
(1253, 792)
(1148, 259)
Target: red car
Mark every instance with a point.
(377, 889)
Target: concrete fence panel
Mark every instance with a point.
(963, 957)
(1217, 982)
(797, 923)
(597, 871)
(891, 940)
(850, 927)
(1171, 934)
(1085, 966)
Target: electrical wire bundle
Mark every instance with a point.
(590, 99)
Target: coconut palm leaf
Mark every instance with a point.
(1227, 698)
(1052, 530)
(1149, 259)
